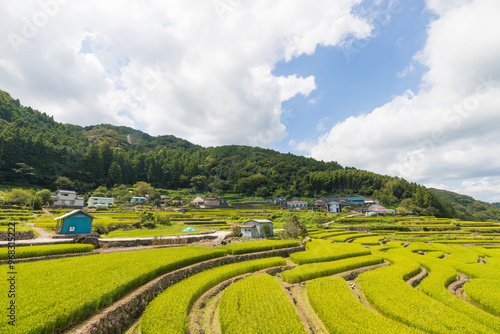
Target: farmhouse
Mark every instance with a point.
(75, 222)
(254, 228)
(212, 202)
(198, 201)
(68, 198)
(96, 202)
(296, 204)
(379, 209)
(138, 200)
(334, 207)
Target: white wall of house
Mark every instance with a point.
(297, 204)
(100, 201)
(333, 207)
(68, 198)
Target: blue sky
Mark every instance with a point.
(357, 79)
(404, 88)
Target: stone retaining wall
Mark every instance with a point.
(25, 235)
(123, 313)
(150, 242)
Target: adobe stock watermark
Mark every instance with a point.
(31, 26)
(453, 118)
(150, 80)
(381, 20)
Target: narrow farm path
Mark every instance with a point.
(306, 312)
(43, 234)
(360, 295)
(204, 314)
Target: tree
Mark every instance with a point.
(154, 197)
(93, 162)
(143, 188)
(36, 202)
(121, 192)
(236, 229)
(199, 182)
(162, 219)
(293, 228)
(115, 173)
(25, 173)
(101, 191)
(268, 230)
(19, 196)
(65, 183)
(45, 195)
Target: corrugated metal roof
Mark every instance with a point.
(66, 191)
(72, 213)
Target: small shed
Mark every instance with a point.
(75, 222)
(254, 228)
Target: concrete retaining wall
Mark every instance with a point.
(123, 313)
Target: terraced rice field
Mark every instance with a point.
(394, 285)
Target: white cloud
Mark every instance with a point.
(447, 130)
(407, 70)
(197, 69)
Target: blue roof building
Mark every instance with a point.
(356, 200)
(75, 222)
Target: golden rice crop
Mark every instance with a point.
(168, 312)
(258, 304)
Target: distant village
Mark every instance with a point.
(70, 199)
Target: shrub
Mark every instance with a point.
(236, 229)
(100, 228)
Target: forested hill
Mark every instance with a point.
(36, 150)
(468, 206)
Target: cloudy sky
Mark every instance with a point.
(409, 88)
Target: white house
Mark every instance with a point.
(68, 198)
(296, 204)
(333, 207)
(95, 202)
(254, 228)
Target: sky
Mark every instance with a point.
(407, 88)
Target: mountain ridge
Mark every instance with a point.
(37, 150)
